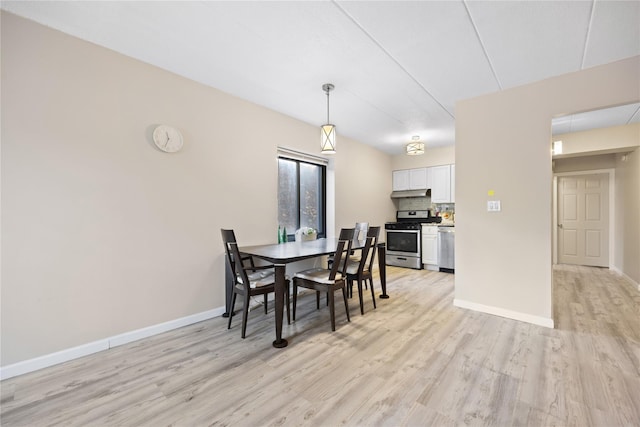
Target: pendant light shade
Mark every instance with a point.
(415, 147)
(328, 131)
(328, 143)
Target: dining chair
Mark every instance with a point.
(371, 232)
(327, 280)
(361, 270)
(359, 234)
(249, 280)
(361, 230)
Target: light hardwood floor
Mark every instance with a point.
(416, 360)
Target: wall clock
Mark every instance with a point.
(167, 138)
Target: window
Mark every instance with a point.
(301, 195)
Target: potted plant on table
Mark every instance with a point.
(305, 234)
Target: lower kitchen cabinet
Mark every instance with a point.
(430, 247)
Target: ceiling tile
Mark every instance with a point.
(435, 43)
(615, 32)
(532, 40)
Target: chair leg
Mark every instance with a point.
(233, 306)
(295, 299)
(317, 300)
(332, 309)
(265, 303)
(360, 296)
(373, 296)
(245, 315)
(287, 297)
(346, 304)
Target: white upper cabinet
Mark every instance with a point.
(440, 184)
(418, 179)
(410, 179)
(400, 180)
(440, 179)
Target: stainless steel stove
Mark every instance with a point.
(403, 241)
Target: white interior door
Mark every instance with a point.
(583, 220)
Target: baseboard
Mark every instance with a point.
(632, 282)
(66, 355)
(497, 311)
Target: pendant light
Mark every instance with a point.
(415, 147)
(328, 131)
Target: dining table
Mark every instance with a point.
(282, 254)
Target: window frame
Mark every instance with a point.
(323, 196)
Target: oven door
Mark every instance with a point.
(403, 242)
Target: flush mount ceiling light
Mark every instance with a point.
(415, 147)
(328, 131)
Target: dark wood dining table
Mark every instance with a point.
(284, 253)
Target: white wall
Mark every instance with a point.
(503, 260)
(101, 232)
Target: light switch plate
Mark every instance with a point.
(493, 206)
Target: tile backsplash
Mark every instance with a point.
(414, 204)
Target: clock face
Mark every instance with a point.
(167, 138)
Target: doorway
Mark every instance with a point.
(583, 218)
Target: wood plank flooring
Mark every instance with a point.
(414, 361)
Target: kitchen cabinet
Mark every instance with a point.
(430, 247)
(410, 179)
(440, 177)
(418, 179)
(400, 180)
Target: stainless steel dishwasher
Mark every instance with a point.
(446, 248)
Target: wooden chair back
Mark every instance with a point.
(374, 233)
(235, 260)
(361, 230)
(240, 272)
(346, 238)
(229, 237)
(365, 254)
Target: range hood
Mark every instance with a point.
(404, 194)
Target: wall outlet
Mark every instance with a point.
(493, 206)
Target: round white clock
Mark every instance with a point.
(167, 138)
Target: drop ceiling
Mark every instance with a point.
(398, 67)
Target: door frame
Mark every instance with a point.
(554, 223)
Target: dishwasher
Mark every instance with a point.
(446, 248)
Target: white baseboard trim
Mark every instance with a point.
(627, 278)
(66, 355)
(497, 311)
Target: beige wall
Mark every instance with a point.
(104, 234)
(627, 233)
(503, 259)
(584, 163)
(610, 139)
(431, 157)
